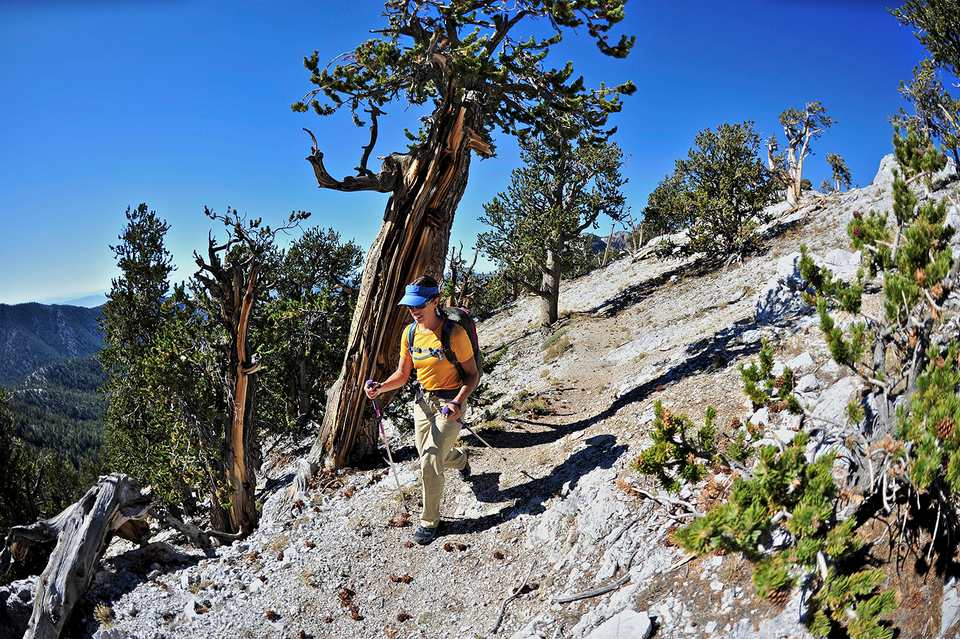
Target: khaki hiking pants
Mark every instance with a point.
(435, 436)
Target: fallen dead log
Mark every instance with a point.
(81, 532)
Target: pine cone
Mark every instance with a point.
(779, 597)
(937, 291)
(912, 338)
(920, 276)
(945, 428)
(778, 406)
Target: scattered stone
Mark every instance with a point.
(802, 362)
(832, 404)
(760, 417)
(627, 623)
(784, 435)
(807, 383)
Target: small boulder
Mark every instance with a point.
(807, 383)
(626, 623)
(761, 416)
(802, 362)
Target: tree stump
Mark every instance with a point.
(81, 532)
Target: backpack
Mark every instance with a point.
(453, 316)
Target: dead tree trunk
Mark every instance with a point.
(81, 533)
(242, 439)
(461, 278)
(425, 189)
(606, 251)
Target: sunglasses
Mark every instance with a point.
(418, 307)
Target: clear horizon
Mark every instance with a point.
(181, 105)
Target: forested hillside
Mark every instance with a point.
(34, 335)
(58, 408)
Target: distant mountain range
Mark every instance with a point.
(36, 335)
(88, 301)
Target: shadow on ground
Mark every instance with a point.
(601, 452)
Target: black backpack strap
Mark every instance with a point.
(445, 338)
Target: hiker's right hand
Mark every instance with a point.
(372, 390)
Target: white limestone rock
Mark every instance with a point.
(627, 623)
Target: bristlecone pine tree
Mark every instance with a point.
(132, 321)
(800, 127)
(559, 192)
(302, 325)
(466, 59)
(460, 283)
(936, 111)
(936, 24)
(717, 193)
(228, 281)
(841, 173)
(901, 447)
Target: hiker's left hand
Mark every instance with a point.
(452, 411)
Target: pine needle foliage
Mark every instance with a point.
(763, 387)
(681, 452)
(929, 426)
(793, 499)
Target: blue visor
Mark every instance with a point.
(414, 295)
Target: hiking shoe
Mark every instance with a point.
(423, 535)
(465, 471)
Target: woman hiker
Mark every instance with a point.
(441, 398)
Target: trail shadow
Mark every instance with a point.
(601, 452)
(715, 351)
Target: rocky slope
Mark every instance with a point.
(575, 549)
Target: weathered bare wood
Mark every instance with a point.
(412, 241)
(197, 536)
(81, 533)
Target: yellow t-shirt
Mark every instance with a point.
(434, 371)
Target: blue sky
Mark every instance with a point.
(183, 104)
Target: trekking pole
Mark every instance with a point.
(487, 444)
(386, 444)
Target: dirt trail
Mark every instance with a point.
(636, 332)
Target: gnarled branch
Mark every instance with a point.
(386, 181)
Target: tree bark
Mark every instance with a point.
(242, 436)
(81, 532)
(232, 285)
(412, 241)
(550, 290)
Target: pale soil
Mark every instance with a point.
(639, 332)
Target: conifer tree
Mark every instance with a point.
(800, 127)
(227, 286)
(718, 192)
(131, 320)
(477, 65)
(841, 173)
(301, 329)
(936, 24)
(936, 112)
(559, 192)
(670, 207)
